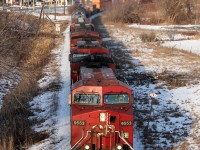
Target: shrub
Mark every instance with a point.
(176, 11)
(123, 13)
(71, 9)
(24, 54)
(151, 37)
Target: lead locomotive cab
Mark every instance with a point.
(102, 115)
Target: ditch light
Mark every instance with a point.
(102, 117)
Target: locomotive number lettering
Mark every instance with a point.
(126, 123)
(79, 123)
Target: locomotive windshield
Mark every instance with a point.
(116, 98)
(86, 98)
(79, 57)
(87, 57)
(86, 37)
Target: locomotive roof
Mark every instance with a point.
(79, 12)
(98, 77)
(85, 34)
(88, 44)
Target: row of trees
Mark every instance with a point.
(178, 11)
(168, 11)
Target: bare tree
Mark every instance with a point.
(127, 12)
(176, 11)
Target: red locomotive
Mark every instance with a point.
(101, 105)
(101, 109)
(90, 54)
(84, 36)
(81, 25)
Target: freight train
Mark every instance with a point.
(101, 105)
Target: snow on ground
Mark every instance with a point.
(172, 118)
(53, 104)
(173, 37)
(173, 112)
(5, 85)
(63, 125)
(52, 17)
(192, 46)
(7, 81)
(188, 98)
(166, 27)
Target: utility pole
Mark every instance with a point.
(20, 4)
(54, 9)
(33, 4)
(64, 7)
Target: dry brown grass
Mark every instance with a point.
(29, 54)
(170, 12)
(71, 9)
(149, 14)
(124, 13)
(148, 37)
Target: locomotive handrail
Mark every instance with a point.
(80, 140)
(124, 140)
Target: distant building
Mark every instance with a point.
(139, 1)
(11, 2)
(101, 4)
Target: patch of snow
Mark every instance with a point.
(41, 106)
(166, 27)
(187, 45)
(63, 124)
(187, 98)
(52, 17)
(57, 124)
(138, 145)
(6, 83)
(106, 39)
(174, 116)
(173, 37)
(47, 79)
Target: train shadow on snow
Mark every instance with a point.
(159, 123)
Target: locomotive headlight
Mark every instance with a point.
(119, 147)
(87, 147)
(102, 117)
(74, 71)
